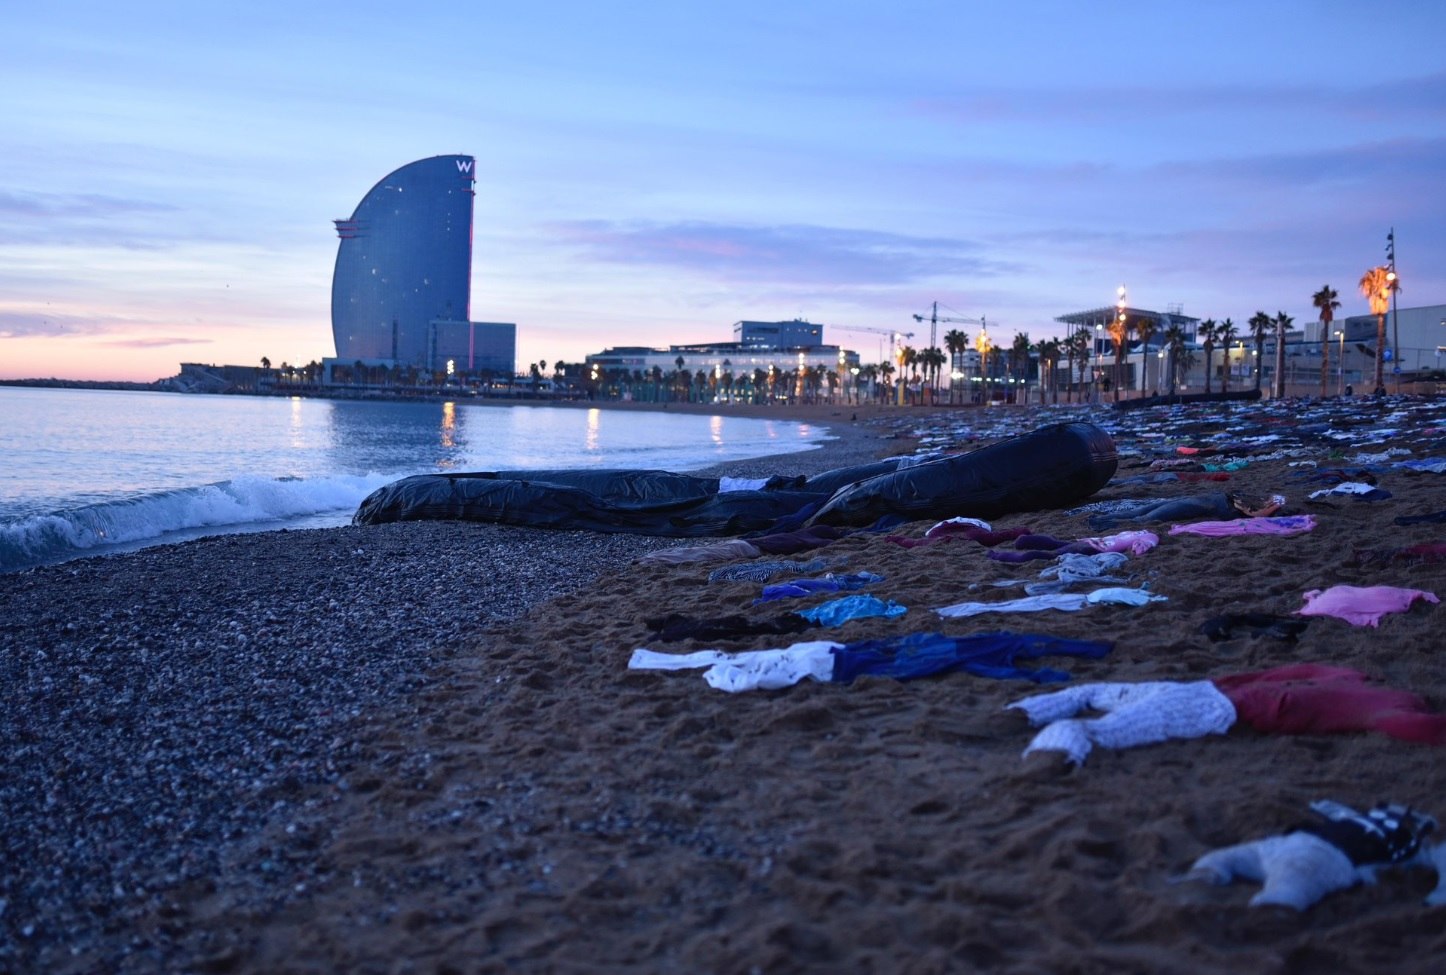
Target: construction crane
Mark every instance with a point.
(893, 334)
(934, 321)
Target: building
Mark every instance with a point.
(1137, 370)
(762, 353)
(402, 288)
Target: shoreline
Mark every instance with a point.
(162, 706)
(415, 747)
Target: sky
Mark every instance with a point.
(649, 173)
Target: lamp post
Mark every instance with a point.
(1341, 362)
(1391, 282)
(1099, 358)
(1124, 350)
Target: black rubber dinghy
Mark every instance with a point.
(1053, 467)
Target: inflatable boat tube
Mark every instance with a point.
(1052, 467)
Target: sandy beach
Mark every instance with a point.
(419, 748)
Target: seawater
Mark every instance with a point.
(84, 472)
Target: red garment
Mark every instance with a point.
(1319, 699)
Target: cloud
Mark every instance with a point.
(29, 325)
(158, 342)
(90, 219)
(1410, 98)
(95, 205)
(23, 325)
(794, 254)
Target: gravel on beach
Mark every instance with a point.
(158, 708)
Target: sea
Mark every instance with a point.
(86, 472)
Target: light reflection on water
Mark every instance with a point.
(67, 447)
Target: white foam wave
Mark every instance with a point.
(227, 505)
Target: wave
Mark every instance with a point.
(241, 504)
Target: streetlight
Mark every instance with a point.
(1341, 363)
(1121, 352)
(1099, 357)
(1392, 282)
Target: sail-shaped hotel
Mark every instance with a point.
(401, 291)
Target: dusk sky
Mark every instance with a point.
(650, 173)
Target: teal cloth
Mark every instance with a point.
(837, 611)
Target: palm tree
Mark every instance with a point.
(1227, 333)
(1146, 328)
(1049, 352)
(1282, 323)
(1259, 325)
(933, 360)
(908, 362)
(957, 343)
(1377, 289)
(1207, 333)
(1174, 339)
(1325, 300)
(1079, 346)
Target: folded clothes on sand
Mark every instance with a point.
(1231, 625)
(838, 611)
(677, 626)
(808, 587)
(1362, 605)
(1279, 525)
(902, 658)
(1339, 849)
(1291, 700)
(1066, 601)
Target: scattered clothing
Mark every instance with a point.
(734, 548)
(1357, 489)
(1047, 547)
(764, 571)
(1362, 605)
(1231, 625)
(906, 657)
(1424, 552)
(1218, 504)
(800, 540)
(1319, 699)
(1426, 465)
(750, 669)
(1078, 567)
(838, 611)
(1340, 849)
(1292, 700)
(1279, 525)
(1067, 601)
(981, 654)
(954, 529)
(676, 626)
(1135, 714)
(808, 587)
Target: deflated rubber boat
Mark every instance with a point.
(1053, 467)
